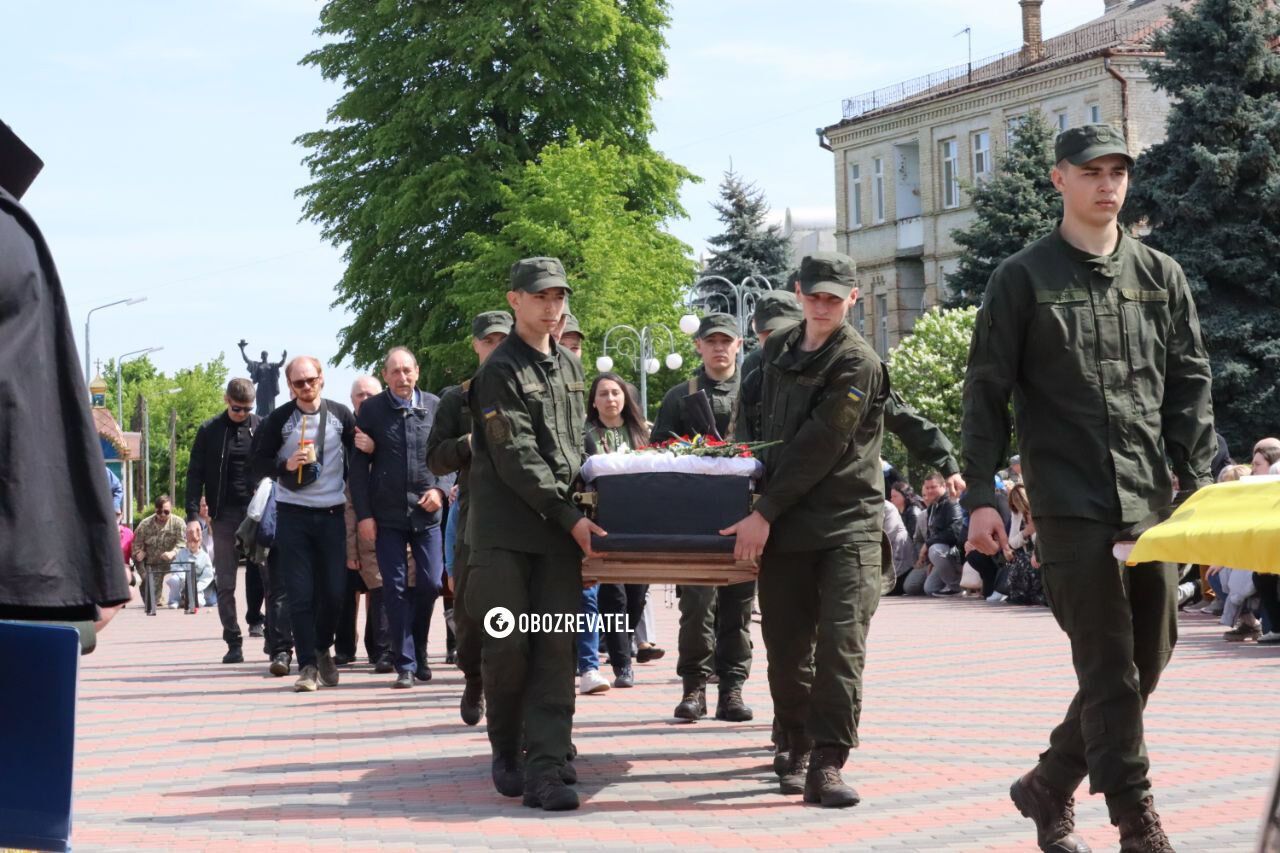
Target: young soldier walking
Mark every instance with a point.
(1095, 338)
(527, 537)
(715, 622)
(817, 525)
(449, 451)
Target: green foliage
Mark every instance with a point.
(1015, 207)
(444, 103)
(198, 397)
(1211, 194)
(748, 245)
(576, 203)
(927, 368)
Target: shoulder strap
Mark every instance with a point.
(323, 418)
(693, 384)
(466, 385)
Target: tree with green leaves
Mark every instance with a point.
(749, 245)
(443, 103)
(927, 368)
(577, 202)
(1016, 206)
(1211, 194)
(195, 393)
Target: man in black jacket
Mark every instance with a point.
(944, 539)
(398, 502)
(220, 471)
(304, 445)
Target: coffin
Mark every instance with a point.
(664, 514)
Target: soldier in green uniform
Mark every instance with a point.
(715, 622)
(1095, 338)
(775, 310)
(817, 524)
(779, 310)
(527, 537)
(449, 450)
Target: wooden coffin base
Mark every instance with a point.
(661, 567)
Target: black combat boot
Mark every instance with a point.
(235, 653)
(793, 776)
(1053, 812)
(694, 704)
(1140, 830)
(781, 752)
(508, 773)
(731, 707)
(550, 793)
(823, 784)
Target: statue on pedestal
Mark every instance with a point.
(266, 378)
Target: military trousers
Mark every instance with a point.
(815, 608)
(528, 675)
(466, 628)
(1122, 623)
(715, 633)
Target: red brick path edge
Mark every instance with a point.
(179, 752)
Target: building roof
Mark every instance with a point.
(1128, 28)
(110, 432)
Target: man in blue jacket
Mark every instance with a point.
(398, 503)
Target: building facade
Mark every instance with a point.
(906, 157)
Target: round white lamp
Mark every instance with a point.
(651, 366)
(604, 364)
(689, 324)
(674, 361)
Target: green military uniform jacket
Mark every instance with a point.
(921, 436)
(1108, 375)
(449, 446)
(527, 449)
(672, 420)
(823, 485)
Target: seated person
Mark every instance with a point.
(193, 557)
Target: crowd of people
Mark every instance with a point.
(406, 496)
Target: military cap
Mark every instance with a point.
(828, 272)
(1079, 145)
(775, 310)
(571, 326)
(534, 275)
(717, 324)
(489, 322)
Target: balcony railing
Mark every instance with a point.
(910, 233)
(1083, 41)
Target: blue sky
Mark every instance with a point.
(167, 131)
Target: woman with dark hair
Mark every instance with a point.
(614, 424)
(908, 504)
(614, 419)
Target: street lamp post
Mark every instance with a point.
(637, 346)
(119, 379)
(88, 376)
(146, 443)
(713, 291)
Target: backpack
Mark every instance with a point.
(1025, 586)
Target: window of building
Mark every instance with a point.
(950, 174)
(1095, 114)
(882, 339)
(981, 156)
(1061, 120)
(877, 177)
(853, 196)
(1015, 124)
(860, 318)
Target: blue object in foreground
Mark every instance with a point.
(38, 673)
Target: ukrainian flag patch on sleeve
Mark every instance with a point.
(855, 395)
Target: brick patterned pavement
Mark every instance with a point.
(178, 752)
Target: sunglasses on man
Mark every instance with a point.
(241, 410)
(304, 382)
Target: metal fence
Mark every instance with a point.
(1083, 41)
